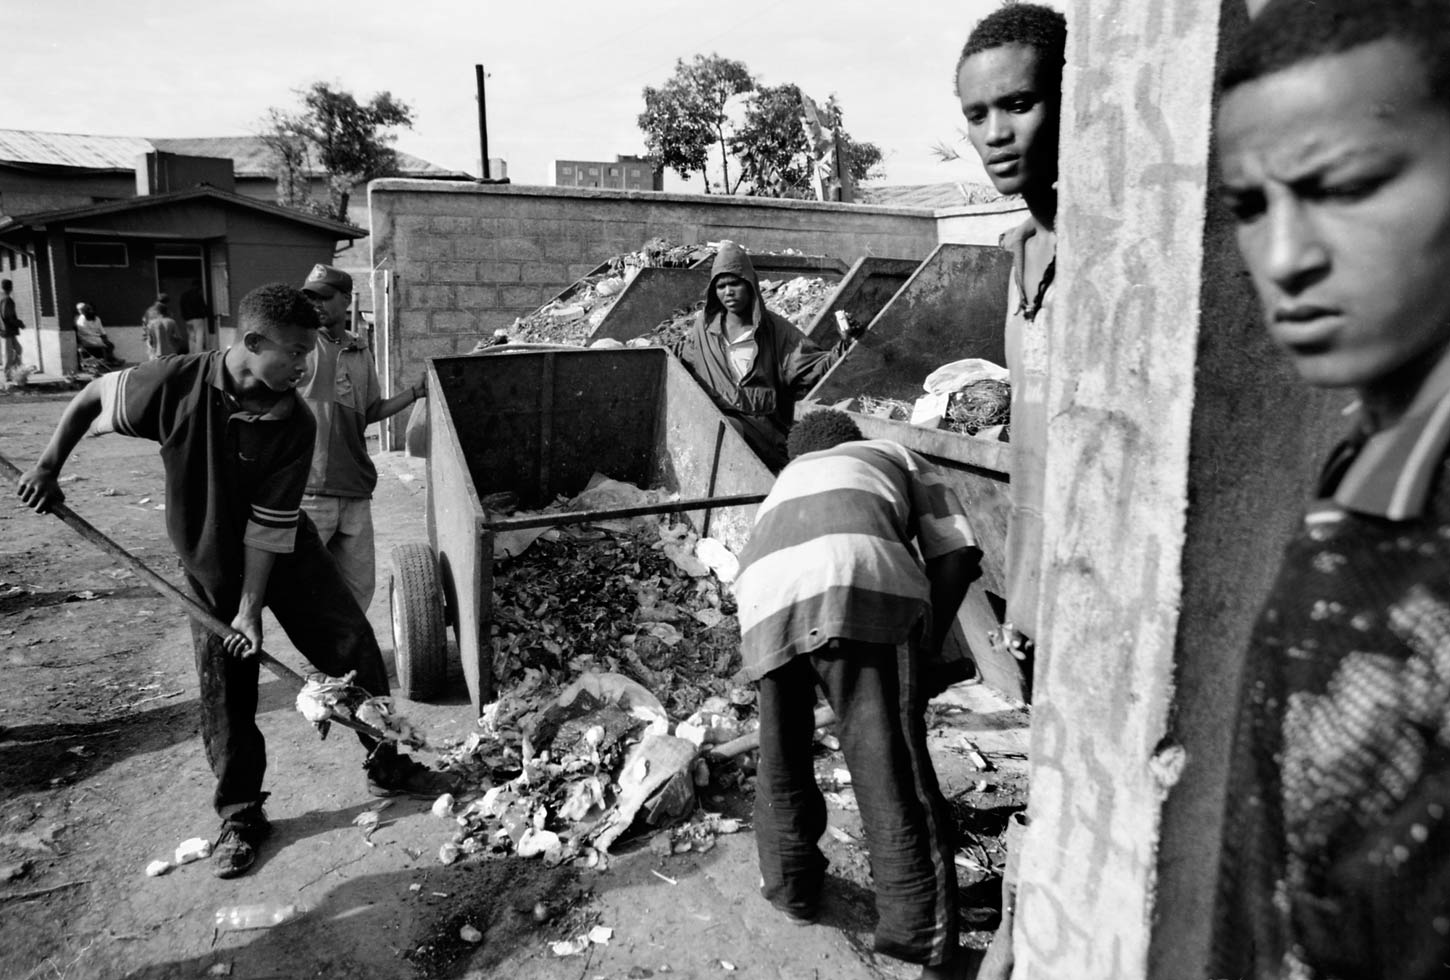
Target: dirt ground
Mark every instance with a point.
(102, 772)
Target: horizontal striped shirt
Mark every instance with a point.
(234, 478)
(837, 552)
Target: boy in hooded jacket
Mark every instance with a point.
(754, 364)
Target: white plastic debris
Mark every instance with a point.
(718, 559)
(469, 934)
(443, 806)
(157, 868)
(192, 850)
(571, 947)
(601, 935)
(448, 853)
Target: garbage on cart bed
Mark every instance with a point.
(614, 651)
(972, 397)
(573, 316)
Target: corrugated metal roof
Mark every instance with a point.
(250, 156)
(926, 195)
(71, 149)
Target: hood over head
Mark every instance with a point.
(732, 260)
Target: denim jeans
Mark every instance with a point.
(875, 693)
(317, 611)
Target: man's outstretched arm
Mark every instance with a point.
(39, 487)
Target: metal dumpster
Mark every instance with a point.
(654, 294)
(862, 294)
(952, 307)
(539, 424)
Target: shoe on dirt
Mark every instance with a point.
(236, 849)
(392, 774)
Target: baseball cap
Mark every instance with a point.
(326, 275)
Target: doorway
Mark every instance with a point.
(181, 275)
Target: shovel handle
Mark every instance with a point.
(751, 740)
(193, 608)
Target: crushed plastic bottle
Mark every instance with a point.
(236, 917)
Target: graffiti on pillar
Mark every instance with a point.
(1134, 179)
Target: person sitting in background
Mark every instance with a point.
(1334, 146)
(754, 364)
(92, 338)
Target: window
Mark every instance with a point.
(594, 171)
(566, 170)
(614, 171)
(105, 255)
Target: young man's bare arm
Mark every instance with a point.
(39, 486)
(950, 575)
(256, 570)
(389, 407)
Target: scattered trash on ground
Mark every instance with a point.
(322, 698)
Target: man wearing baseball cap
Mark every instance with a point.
(344, 393)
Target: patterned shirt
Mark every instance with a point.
(832, 556)
(341, 387)
(233, 478)
(1336, 863)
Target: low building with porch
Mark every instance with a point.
(119, 255)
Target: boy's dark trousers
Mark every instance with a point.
(875, 693)
(311, 601)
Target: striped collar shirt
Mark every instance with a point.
(1394, 470)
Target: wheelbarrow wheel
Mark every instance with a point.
(420, 645)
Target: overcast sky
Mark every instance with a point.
(565, 76)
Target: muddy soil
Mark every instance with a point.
(102, 772)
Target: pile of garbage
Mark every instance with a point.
(571, 317)
(614, 648)
(971, 397)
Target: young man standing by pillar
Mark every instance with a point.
(345, 396)
(1009, 81)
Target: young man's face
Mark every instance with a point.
(734, 294)
(331, 305)
(278, 354)
(1011, 120)
(1338, 174)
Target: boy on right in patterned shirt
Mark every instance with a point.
(859, 558)
(1334, 143)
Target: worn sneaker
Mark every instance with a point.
(236, 849)
(402, 775)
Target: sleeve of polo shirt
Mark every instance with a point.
(133, 401)
(272, 525)
(937, 513)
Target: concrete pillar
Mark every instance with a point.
(1180, 453)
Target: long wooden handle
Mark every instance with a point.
(745, 743)
(192, 608)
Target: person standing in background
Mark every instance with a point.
(345, 395)
(10, 327)
(197, 317)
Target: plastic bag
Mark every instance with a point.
(958, 374)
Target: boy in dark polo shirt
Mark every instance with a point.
(1334, 144)
(237, 443)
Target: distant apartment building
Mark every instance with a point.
(624, 173)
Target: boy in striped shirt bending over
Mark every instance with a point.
(859, 558)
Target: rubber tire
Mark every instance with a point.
(420, 643)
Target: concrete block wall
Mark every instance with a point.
(462, 259)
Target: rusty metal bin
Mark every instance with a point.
(539, 424)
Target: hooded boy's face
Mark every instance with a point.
(1338, 174)
(1011, 119)
(734, 294)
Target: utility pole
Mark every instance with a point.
(482, 120)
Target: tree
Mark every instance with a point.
(774, 153)
(348, 141)
(685, 118)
